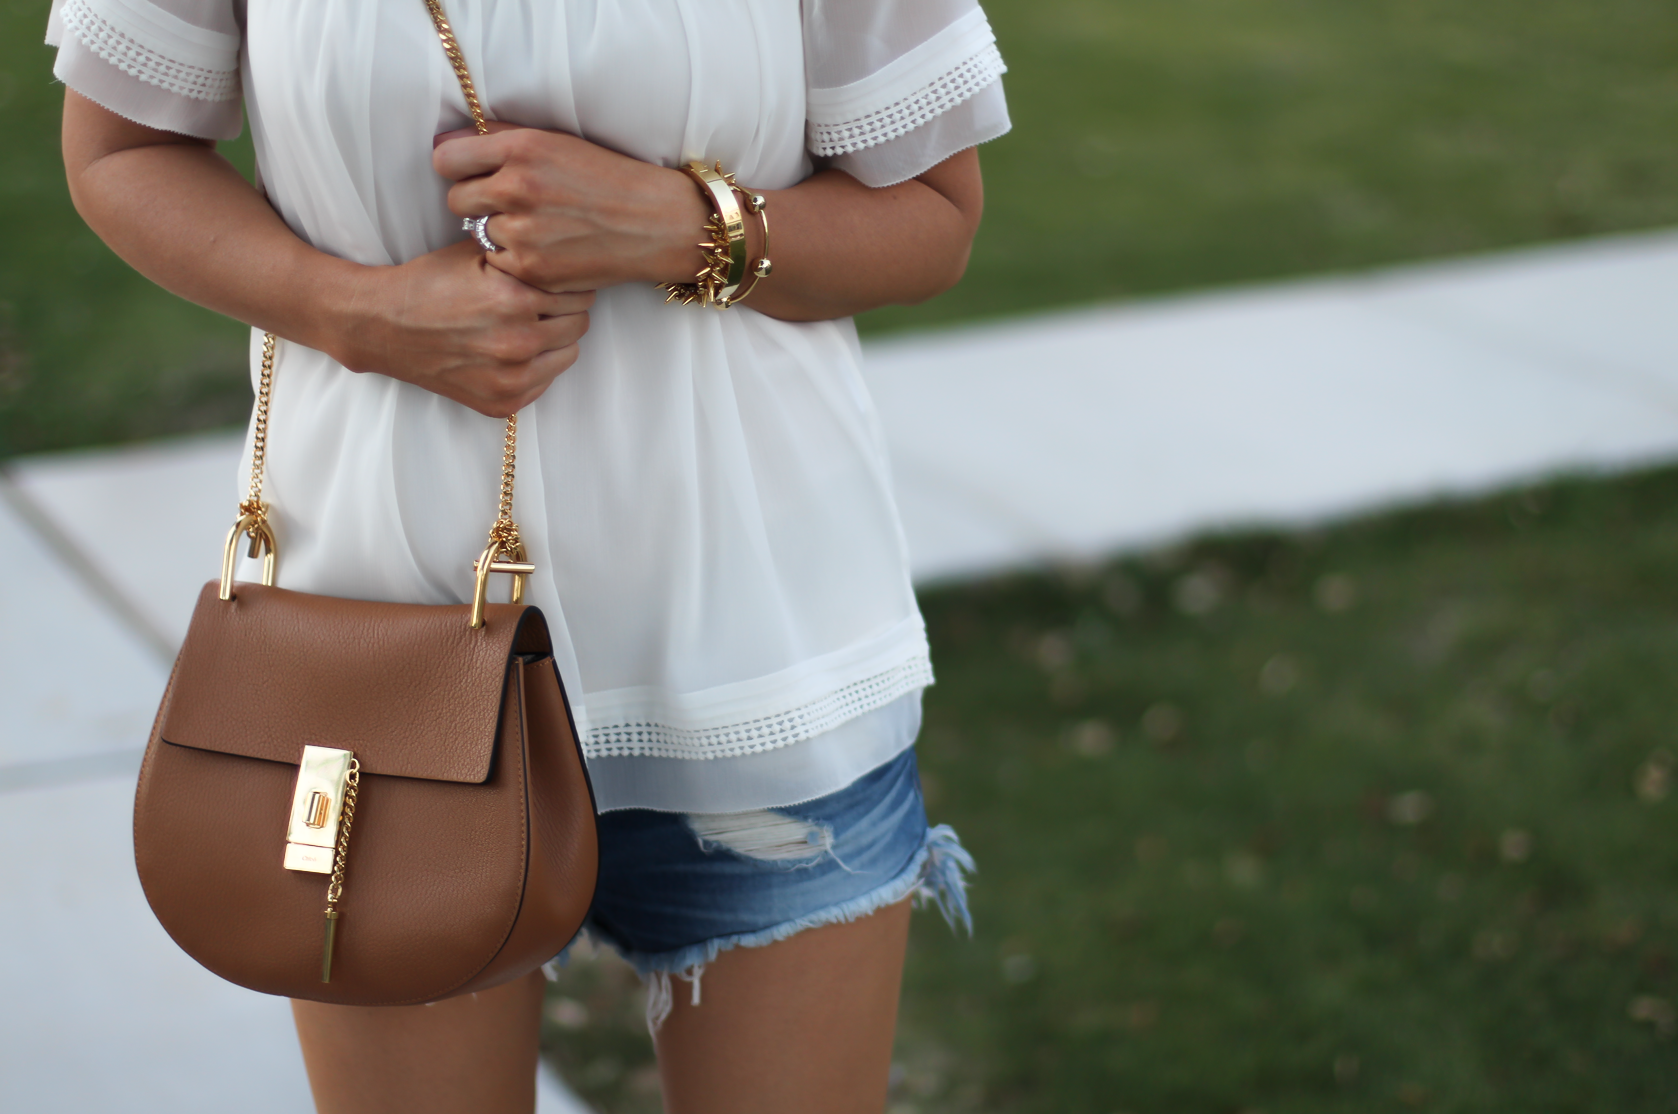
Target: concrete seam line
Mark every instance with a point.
(54, 772)
(36, 518)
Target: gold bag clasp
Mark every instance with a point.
(316, 804)
(500, 556)
(262, 541)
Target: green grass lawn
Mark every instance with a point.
(1162, 144)
(1377, 818)
(1158, 145)
(1370, 819)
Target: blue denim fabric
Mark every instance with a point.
(669, 899)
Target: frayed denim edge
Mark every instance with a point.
(937, 875)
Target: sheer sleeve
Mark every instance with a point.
(897, 86)
(168, 64)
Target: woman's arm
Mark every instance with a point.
(841, 247)
(488, 331)
(578, 216)
(183, 217)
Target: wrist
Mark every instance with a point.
(352, 313)
(681, 215)
(734, 241)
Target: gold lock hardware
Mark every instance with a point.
(314, 815)
(318, 835)
(316, 805)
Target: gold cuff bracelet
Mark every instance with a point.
(719, 281)
(756, 204)
(725, 251)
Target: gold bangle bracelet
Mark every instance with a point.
(756, 204)
(725, 251)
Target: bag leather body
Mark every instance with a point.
(473, 855)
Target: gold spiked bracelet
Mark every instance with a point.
(720, 277)
(725, 252)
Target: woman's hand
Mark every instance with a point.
(185, 218)
(572, 215)
(448, 322)
(485, 330)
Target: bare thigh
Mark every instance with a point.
(476, 1054)
(802, 1025)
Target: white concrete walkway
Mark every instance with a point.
(1072, 435)
(1054, 438)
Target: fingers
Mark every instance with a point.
(460, 155)
(559, 267)
(515, 387)
(462, 133)
(521, 297)
(570, 303)
(474, 334)
(506, 189)
(561, 331)
(507, 171)
(443, 137)
(518, 342)
(528, 268)
(531, 269)
(522, 364)
(544, 369)
(524, 357)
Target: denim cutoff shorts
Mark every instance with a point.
(677, 889)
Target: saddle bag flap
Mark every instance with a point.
(409, 688)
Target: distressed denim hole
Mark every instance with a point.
(762, 834)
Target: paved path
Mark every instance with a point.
(1054, 438)
(1072, 435)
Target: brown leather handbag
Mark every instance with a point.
(366, 803)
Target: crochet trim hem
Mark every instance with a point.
(631, 739)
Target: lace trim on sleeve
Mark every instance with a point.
(936, 97)
(144, 42)
(899, 98)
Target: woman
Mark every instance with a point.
(705, 494)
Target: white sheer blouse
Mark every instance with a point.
(706, 494)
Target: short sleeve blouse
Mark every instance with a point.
(706, 494)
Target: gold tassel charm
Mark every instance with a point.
(331, 939)
(335, 888)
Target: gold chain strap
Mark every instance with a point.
(451, 47)
(254, 506)
(505, 529)
(505, 551)
(340, 856)
(504, 535)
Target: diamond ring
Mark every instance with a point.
(479, 228)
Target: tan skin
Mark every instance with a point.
(804, 1024)
(493, 331)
